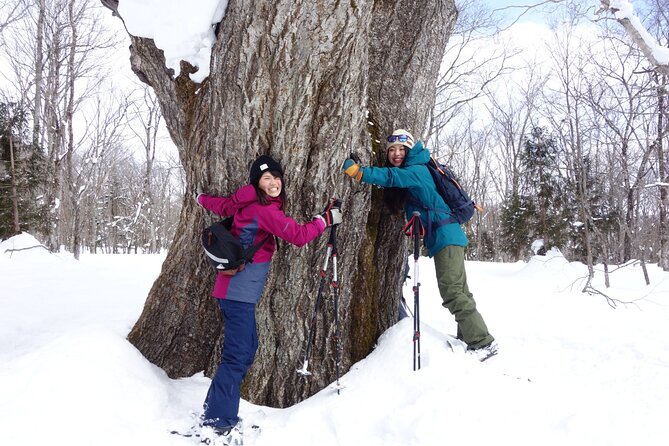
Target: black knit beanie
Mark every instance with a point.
(261, 165)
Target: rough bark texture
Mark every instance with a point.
(305, 82)
(663, 227)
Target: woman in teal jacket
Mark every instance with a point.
(407, 179)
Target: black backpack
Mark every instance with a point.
(224, 251)
(462, 207)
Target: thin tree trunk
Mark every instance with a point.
(151, 131)
(646, 278)
(662, 174)
(605, 261)
(73, 193)
(300, 82)
(629, 225)
(54, 138)
(587, 217)
(37, 112)
(15, 196)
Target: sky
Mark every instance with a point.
(572, 370)
(185, 32)
(193, 38)
(514, 9)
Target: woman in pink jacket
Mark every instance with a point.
(257, 210)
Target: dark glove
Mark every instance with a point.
(332, 213)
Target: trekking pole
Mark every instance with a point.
(335, 289)
(414, 228)
(403, 301)
(312, 326)
(331, 251)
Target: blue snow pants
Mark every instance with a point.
(240, 342)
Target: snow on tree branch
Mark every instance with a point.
(623, 11)
(183, 30)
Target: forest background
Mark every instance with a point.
(554, 120)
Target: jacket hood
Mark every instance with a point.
(417, 155)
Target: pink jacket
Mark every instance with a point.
(252, 223)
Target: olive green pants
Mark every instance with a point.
(449, 264)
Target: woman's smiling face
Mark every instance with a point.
(270, 184)
(396, 154)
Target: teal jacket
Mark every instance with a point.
(413, 175)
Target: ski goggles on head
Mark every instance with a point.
(399, 138)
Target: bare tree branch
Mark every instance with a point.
(13, 10)
(638, 34)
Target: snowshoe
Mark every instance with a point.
(218, 436)
(455, 344)
(485, 352)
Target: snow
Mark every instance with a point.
(625, 10)
(183, 30)
(537, 245)
(571, 369)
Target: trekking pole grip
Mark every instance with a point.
(332, 241)
(417, 233)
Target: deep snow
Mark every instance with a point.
(571, 369)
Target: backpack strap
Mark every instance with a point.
(433, 224)
(251, 250)
(248, 252)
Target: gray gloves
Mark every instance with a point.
(332, 213)
(197, 194)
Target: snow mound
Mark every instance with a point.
(20, 242)
(552, 271)
(107, 370)
(24, 246)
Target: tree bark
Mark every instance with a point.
(39, 40)
(663, 229)
(55, 142)
(636, 33)
(72, 187)
(15, 196)
(305, 82)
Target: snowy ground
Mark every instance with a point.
(571, 370)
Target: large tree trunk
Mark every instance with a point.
(305, 82)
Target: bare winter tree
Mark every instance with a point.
(639, 35)
(567, 112)
(101, 151)
(620, 104)
(660, 28)
(38, 67)
(512, 109)
(9, 121)
(467, 151)
(465, 74)
(52, 54)
(146, 115)
(11, 11)
(301, 82)
(662, 173)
